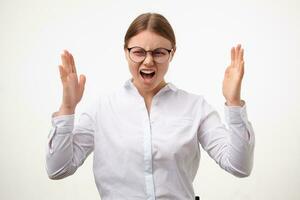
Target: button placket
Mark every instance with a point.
(149, 181)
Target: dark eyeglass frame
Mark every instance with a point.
(151, 51)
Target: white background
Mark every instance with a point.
(34, 33)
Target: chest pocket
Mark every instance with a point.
(174, 139)
(177, 125)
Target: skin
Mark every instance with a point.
(149, 41)
(73, 87)
(233, 77)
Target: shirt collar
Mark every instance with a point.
(170, 86)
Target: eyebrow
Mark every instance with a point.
(151, 49)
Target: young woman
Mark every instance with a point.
(145, 136)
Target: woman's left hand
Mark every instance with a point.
(233, 77)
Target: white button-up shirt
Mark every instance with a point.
(153, 156)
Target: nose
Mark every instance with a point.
(149, 59)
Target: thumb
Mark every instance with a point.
(82, 80)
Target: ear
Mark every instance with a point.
(172, 54)
(126, 54)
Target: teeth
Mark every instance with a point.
(147, 72)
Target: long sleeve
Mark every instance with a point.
(232, 148)
(68, 145)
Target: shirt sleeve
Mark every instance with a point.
(232, 147)
(68, 145)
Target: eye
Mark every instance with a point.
(160, 52)
(138, 52)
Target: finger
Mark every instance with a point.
(63, 74)
(232, 55)
(82, 80)
(242, 55)
(240, 59)
(237, 53)
(72, 64)
(241, 69)
(240, 52)
(68, 61)
(227, 71)
(65, 63)
(238, 47)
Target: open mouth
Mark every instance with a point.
(147, 75)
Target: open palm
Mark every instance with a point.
(233, 77)
(72, 88)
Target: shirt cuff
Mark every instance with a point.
(63, 123)
(236, 114)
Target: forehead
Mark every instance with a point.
(149, 40)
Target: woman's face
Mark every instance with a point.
(148, 75)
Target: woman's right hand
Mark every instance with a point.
(72, 88)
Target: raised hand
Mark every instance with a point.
(72, 88)
(233, 77)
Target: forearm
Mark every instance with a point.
(231, 147)
(59, 155)
(240, 148)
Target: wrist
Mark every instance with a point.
(64, 110)
(234, 103)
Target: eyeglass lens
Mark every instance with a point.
(138, 54)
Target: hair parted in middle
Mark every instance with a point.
(154, 22)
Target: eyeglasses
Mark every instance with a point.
(138, 54)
